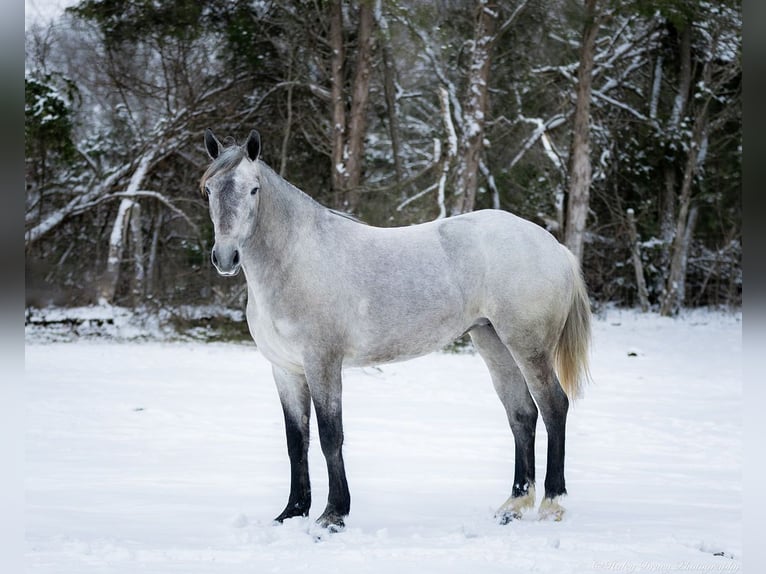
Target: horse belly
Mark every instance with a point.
(398, 336)
(393, 349)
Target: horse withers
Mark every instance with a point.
(325, 291)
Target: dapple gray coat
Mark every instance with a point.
(327, 292)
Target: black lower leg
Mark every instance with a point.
(299, 502)
(555, 418)
(523, 426)
(554, 475)
(324, 379)
(524, 467)
(339, 499)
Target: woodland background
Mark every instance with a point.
(617, 125)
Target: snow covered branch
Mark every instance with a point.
(139, 194)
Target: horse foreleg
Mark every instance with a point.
(324, 380)
(296, 405)
(522, 417)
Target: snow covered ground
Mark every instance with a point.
(170, 457)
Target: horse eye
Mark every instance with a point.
(207, 192)
(254, 190)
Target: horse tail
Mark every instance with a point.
(572, 348)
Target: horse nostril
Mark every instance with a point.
(235, 261)
(215, 259)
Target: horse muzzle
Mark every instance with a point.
(226, 260)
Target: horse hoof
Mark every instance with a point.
(506, 517)
(514, 508)
(551, 509)
(331, 522)
(288, 513)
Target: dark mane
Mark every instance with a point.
(227, 160)
(346, 215)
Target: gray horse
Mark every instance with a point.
(327, 292)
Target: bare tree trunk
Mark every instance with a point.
(137, 245)
(578, 194)
(389, 90)
(668, 213)
(336, 96)
(688, 236)
(151, 266)
(638, 266)
(117, 238)
(289, 119)
(675, 292)
(357, 127)
(670, 191)
(475, 110)
(685, 78)
(449, 157)
(111, 276)
(673, 297)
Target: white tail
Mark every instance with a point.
(572, 349)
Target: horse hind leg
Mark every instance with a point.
(537, 366)
(522, 412)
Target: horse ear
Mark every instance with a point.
(253, 145)
(212, 145)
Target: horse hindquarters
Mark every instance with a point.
(539, 333)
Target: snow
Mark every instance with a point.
(170, 457)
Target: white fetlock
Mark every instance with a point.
(515, 506)
(551, 509)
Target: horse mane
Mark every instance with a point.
(347, 215)
(232, 155)
(278, 181)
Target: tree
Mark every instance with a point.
(47, 126)
(464, 112)
(349, 134)
(578, 193)
(400, 111)
(656, 151)
(475, 109)
(716, 66)
(152, 107)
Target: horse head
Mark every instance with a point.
(231, 185)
